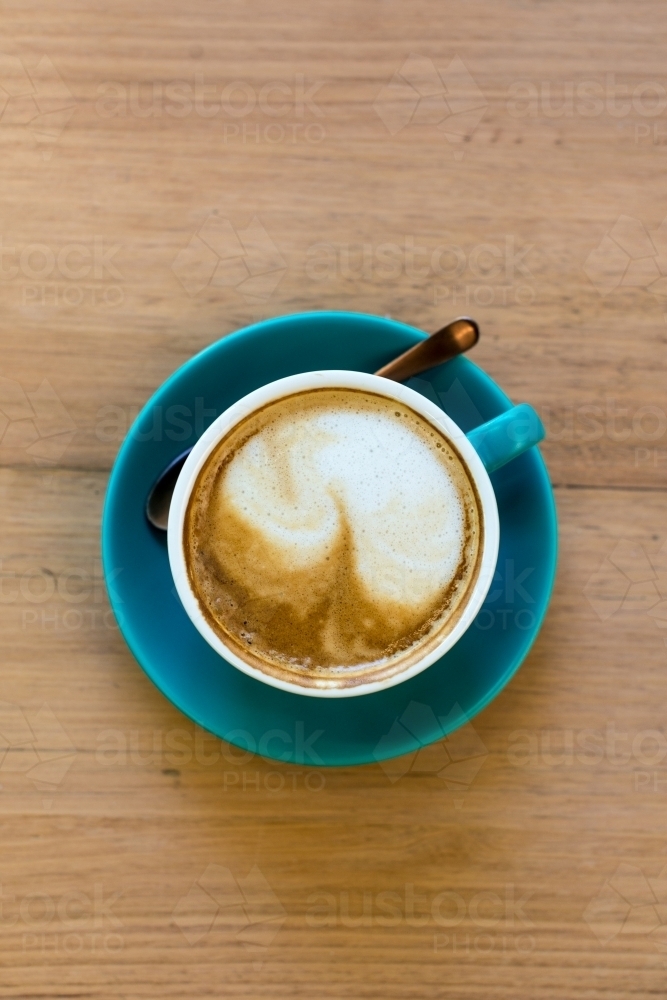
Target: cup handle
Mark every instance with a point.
(506, 437)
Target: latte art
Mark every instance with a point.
(334, 532)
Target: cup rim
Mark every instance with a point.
(291, 384)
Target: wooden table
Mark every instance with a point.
(512, 155)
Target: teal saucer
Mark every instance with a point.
(291, 727)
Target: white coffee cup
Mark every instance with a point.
(392, 390)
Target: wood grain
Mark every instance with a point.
(546, 875)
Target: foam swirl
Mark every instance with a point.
(335, 528)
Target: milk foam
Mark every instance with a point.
(335, 530)
(298, 478)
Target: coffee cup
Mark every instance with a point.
(337, 516)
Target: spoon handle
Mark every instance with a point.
(453, 339)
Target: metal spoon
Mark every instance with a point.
(455, 338)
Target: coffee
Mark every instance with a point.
(333, 537)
